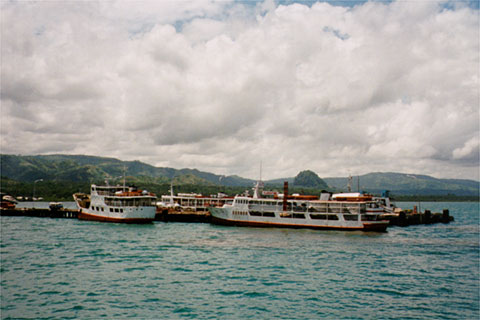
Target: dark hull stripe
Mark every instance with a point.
(377, 227)
(91, 217)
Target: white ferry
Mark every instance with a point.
(192, 202)
(352, 211)
(116, 204)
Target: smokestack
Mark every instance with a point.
(285, 195)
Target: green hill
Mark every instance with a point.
(407, 184)
(309, 179)
(83, 170)
(80, 168)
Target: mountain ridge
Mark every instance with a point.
(85, 168)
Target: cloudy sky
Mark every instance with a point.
(335, 87)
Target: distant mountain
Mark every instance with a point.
(279, 182)
(309, 179)
(407, 184)
(81, 168)
(71, 168)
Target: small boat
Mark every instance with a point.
(340, 211)
(55, 206)
(8, 202)
(116, 204)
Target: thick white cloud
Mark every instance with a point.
(221, 86)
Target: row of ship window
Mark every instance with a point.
(129, 202)
(347, 217)
(304, 205)
(325, 209)
(102, 209)
(195, 202)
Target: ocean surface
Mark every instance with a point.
(66, 268)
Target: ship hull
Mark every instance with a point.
(90, 217)
(147, 217)
(221, 217)
(114, 207)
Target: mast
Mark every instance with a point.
(260, 170)
(285, 195)
(259, 185)
(124, 170)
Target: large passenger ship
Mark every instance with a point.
(116, 204)
(353, 211)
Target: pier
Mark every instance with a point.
(411, 217)
(183, 216)
(403, 219)
(40, 213)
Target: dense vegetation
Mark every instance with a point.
(63, 190)
(79, 168)
(435, 198)
(309, 179)
(408, 184)
(63, 175)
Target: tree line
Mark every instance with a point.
(63, 190)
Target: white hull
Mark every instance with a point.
(116, 204)
(133, 215)
(238, 216)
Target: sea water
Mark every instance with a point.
(66, 268)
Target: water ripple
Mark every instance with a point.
(61, 268)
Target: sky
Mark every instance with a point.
(246, 88)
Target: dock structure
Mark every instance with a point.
(166, 215)
(40, 213)
(402, 219)
(411, 217)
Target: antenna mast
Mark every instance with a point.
(258, 185)
(124, 170)
(260, 170)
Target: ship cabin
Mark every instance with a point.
(308, 209)
(196, 202)
(120, 196)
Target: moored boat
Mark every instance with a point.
(116, 204)
(55, 206)
(191, 202)
(7, 201)
(348, 212)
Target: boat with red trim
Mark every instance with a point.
(7, 201)
(339, 211)
(116, 204)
